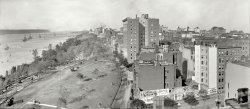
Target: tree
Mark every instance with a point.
(50, 46)
(191, 100)
(204, 95)
(170, 104)
(30, 37)
(25, 39)
(157, 49)
(63, 98)
(35, 54)
(184, 69)
(137, 104)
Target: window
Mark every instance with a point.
(167, 71)
(201, 62)
(202, 80)
(228, 85)
(202, 74)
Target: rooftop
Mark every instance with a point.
(246, 63)
(227, 47)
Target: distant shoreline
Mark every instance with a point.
(22, 31)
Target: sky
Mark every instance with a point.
(70, 15)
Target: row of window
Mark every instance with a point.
(202, 80)
(221, 80)
(229, 52)
(221, 73)
(202, 62)
(202, 74)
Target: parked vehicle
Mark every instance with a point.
(74, 69)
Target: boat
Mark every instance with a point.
(7, 48)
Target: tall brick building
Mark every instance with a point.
(131, 38)
(150, 31)
(226, 54)
(139, 32)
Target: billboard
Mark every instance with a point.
(212, 91)
(148, 95)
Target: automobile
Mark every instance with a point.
(74, 69)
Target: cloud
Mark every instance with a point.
(59, 15)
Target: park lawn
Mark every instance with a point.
(99, 90)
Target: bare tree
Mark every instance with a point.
(64, 94)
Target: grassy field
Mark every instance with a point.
(94, 84)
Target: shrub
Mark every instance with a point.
(170, 103)
(85, 107)
(88, 79)
(138, 104)
(191, 100)
(80, 76)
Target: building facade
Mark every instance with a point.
(140, 32)
(206, 66)
(131, 38)
(226, 54)
(157, 75)
(237, 76)
(188, 55)
(150, 30)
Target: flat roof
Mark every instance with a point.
(246, 63)
(227, 47)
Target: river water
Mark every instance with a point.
(20, 52)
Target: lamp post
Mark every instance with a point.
(218, 102)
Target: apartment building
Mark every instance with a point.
(150, 30)
(139, 32)
(226, 54)
(243, 43)
(206, 66)
(131, 38)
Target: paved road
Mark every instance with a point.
(127, 95)
(47, 105)
(127, 92)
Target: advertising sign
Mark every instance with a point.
(212, 91)
(148, 95)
